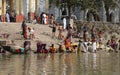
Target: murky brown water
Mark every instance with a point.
(61, 64)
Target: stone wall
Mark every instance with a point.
(55, 11)
(108, 29)
(82, 15)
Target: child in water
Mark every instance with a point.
(32, 33)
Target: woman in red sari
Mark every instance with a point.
(24, 28)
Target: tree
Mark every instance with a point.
(92, 6)
(65, 3)
(109, 4)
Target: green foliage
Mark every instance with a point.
(63, 2)
(86, 4)
(92, 6)
(111, 4)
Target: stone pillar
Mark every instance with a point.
(0, 7)
(17, 2)
(17, 6)
(21, 7)
(21, 11)
(26, 8)
(42, 6)
(82, 13)
(77, 12)
(91, 18)
(102, 13)
(11, 5)
(37, 7)
(47, 6)
(31, 9)
(116, 15)
(4, 7)
(85, 15)
(3, 10)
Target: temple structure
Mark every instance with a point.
(82, 15)
(27, 9)
(23, 8)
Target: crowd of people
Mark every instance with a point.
(44, 18)
(95, 39)
(10, 16)
(91, 40)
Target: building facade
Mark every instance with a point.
(82, 15)
(23, 8)
(26, 9)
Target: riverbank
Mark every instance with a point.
(43, 33)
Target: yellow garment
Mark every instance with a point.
(52, 50)
(72, 47)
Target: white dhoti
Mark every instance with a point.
(94, 47)
(64, 23)
(84, 46)
(44, 18)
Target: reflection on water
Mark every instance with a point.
(60, 64)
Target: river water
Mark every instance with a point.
(61, 64)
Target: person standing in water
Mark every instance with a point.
(93, 38)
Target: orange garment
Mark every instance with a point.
(67, 43)
(47, 18)
(52, 50)
(73, 46)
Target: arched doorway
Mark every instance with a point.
(111, 17)
(64, 12)
(90, 16)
